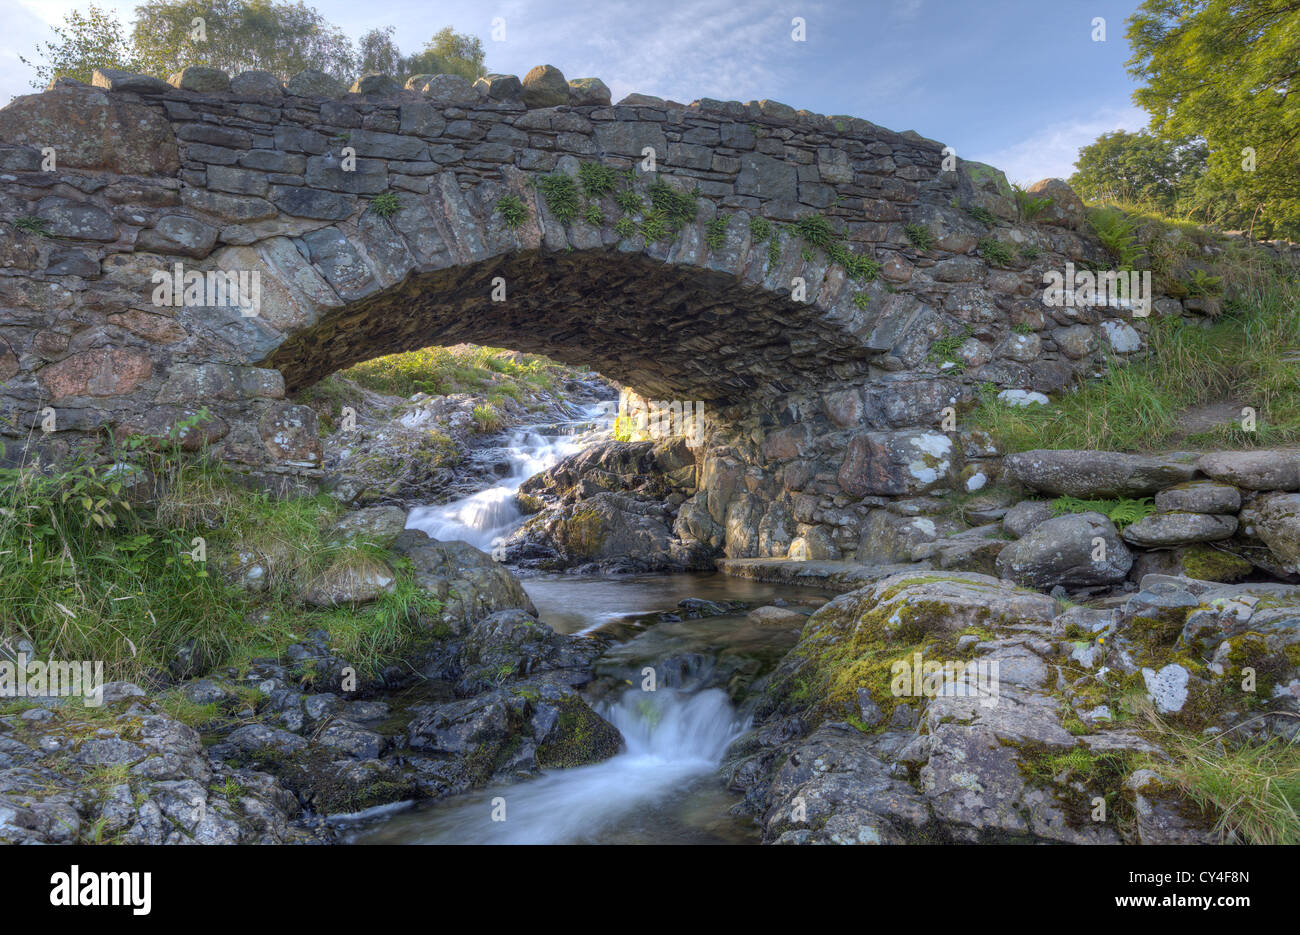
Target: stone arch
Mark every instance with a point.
(828, 398)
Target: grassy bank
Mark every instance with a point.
(1247, 356)
(98, 564)
(464, 368)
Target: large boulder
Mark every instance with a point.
(1262, 469)
(1078, 550)
(605, 529)
(1277, 523)
(1065, 208)
(1104, 474)
(468, 582)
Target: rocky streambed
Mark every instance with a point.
(942, 696)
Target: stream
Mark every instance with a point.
(664, 788)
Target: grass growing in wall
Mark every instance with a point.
(513, 211)
(715, 232)
(919, 236)
(561, 194)
(1250, 354)
(597, 179)
(385, 204)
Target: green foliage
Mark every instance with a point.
(654, 226)
(625, 227)
(919, 236)
(1023, 328)
(486, 418)
(861, 300)
(597, 179)
(1224, 71)
(1027, 206)
(816, 232)
(1029, 252)
(561, 194)
(996, 251)
(513, 211)
(1202, 283)
(448, 53)
(983, 215)
(1247, 354)
(465, 368)
(629, 201)
(385, 204)
(774, 250)
(33, 225)
(593, 215)
(1118, 234)
(677, 209)
(282, 38)
(715, 232)
(1139, 168)
(1122, 512)
(83, 43)
(944, 350)
(759, 230)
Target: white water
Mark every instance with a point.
(673, 739)
(486, 518)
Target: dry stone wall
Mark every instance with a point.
(825, 388)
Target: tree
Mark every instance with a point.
(1225, 71)
(448, 53)
(1142, 169)
(377, 53)
(282, 38)
(82, 44)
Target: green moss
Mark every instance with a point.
(580, 737)
(1210, 564)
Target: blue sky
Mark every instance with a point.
(1017, 83)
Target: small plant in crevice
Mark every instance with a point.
(1027, 206)
(816, 231)
(983, 215)
(996, 251)
(1029, 252)
(33, 225)
(759, 230)
(486, 418)
(1122, 511)
(385, 205)
(715, 232)
(944, 350)
(1118, 234)
(629, 201)
(1024, 328)
(774, 250)
(919, 236)
(654, 226)
(1202, 283)
(677, 208)
(597, 179)
(861, 300)
(593, 215)
(513, 211)
(625, 227)
(561, 194)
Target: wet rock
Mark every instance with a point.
(468, 582)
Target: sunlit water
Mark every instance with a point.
(664, 788)
(487, 517)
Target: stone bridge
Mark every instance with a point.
(828, 287)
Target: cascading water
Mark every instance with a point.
(674, 739)
(487, 517)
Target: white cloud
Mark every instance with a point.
(1051, 152)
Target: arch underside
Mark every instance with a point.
(667, 331)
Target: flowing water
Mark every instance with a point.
(487, 517)
(664, 788)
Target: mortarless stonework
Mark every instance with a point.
(818, 409)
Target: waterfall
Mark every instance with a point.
(673, 739)
(486, 518)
